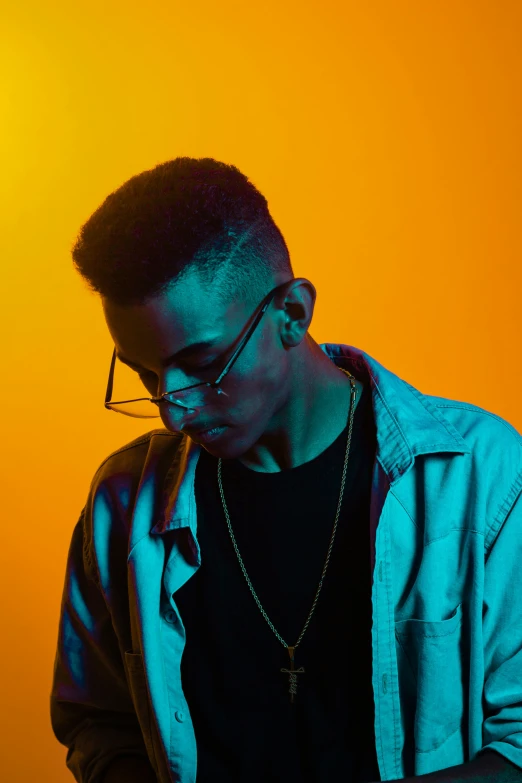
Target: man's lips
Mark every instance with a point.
(191, 433)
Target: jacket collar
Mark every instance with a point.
(407, 424)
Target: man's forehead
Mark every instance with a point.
(182, 306)
(193, 349)
(192, 327)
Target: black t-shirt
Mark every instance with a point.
(247, 730)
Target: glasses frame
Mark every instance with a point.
(214, 384)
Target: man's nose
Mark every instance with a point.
(174, 417)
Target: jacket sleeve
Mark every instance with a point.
(502, 634)
(92, 712)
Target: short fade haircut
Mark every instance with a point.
(187, 215)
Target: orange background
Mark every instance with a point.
(386, 138)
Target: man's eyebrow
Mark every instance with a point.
(183, 353)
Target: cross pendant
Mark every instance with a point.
(293, 672)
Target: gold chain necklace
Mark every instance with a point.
(293, 672)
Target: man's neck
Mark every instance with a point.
(311, 420)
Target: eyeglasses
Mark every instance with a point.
(198, 392)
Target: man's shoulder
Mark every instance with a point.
(477, 424)
(114, 487)
(126, 463)
(137, 448)
(495, 452)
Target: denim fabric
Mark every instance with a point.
(446, 541)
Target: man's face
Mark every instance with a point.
(256, 386)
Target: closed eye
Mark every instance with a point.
(200, 368)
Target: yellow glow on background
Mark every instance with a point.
(386, 138)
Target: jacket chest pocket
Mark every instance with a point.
(140, 697)
(431, 665)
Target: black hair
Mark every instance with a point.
(185, 215)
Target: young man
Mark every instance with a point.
(312, 572)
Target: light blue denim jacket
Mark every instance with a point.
(446, 540)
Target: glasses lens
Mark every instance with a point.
(128, 385)
(140, 409)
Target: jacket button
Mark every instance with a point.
(170, 617)
(179, 716)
